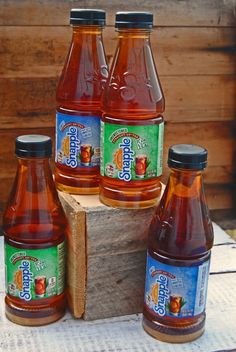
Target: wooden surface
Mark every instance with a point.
(194, 47)
(125, 334)
(167, 12)
(76, 254)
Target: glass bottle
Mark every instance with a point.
(178, 257)
(78, 105)
(34, 226)
(132, 122)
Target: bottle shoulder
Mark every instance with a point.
(133, 82)
(181, 230)
(167, 259)
(35, 228)
(83, 76)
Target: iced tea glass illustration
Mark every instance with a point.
(40, 285)
(176, 302)
(140, 165)
(85, 154)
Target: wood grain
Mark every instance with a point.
(117, 287)
(76, 254)
(117, 231)
(166, 13)
(177, 51)
(220, 196)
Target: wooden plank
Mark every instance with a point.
(76, 254)
(217, 137)
(220, 196)
(117, 288)
(199, 98)
(167, 13)
(188, 98)
(26, 98)
(116, 231)
(223, 175)
(223, 254)
(222, 237)
(178, 51)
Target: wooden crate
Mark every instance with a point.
(106, 257)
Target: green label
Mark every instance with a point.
(131, 152)
(33, 274)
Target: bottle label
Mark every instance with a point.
(77, 140)
(176, 291)
(33, 274)
(131, 152)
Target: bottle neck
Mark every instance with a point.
(90, 31)
(185, 183)
(134, 39)
(134, 33)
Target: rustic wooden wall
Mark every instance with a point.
(194, 45)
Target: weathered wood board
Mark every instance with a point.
(167, 12)
(178, 50)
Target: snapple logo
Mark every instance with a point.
(74, 147)
(163, 295)
(127, 154)
(25, 293)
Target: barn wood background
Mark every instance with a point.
(194, 46)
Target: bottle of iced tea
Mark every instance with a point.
(34, 227)
(78, 105)
(132, 122)
(179, 244)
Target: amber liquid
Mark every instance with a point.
(34, 219)
(79, 93)
(132, 96)
(181, 234)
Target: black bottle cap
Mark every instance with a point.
(134, 20)
(33, 145)
(187, 156)
(87, 17)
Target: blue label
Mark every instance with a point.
(77, 140)
(176, 291)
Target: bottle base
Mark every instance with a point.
(128, 204)
(80, 183)
(175, 335)
(33, 321)
(136, 197)
(77, 190)
(35, 314)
